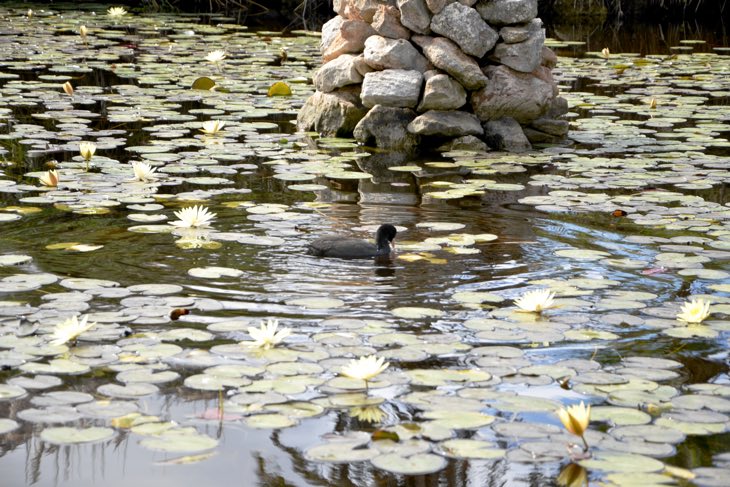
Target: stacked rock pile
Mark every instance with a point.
(398, 73)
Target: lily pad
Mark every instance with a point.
(178, 440)
(67, 435)
(416, 313)
(419, 464)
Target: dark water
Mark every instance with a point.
(642, 38)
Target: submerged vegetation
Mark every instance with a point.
(580, 290)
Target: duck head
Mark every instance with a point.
(384, 238)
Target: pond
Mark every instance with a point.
(625, 225)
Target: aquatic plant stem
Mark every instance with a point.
(220, 404)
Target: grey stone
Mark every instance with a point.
(537, 137)
(519, 33)
(343, 36)
(437, 6)
(512, 35)
(506, 134)
(549, 59)
(450, 123)
(415, 15)
(386, 22)
(386, 127)
(332, 114)
(383, 53)
(546, 75)
(392, 88)
(339, 72)
(509, 93)
(447, 56)
(467, 142)
(465, 27)
(522, 56)
(362, 67)
(558, 107)
(358, 9)
(558, 128)
(329, 31)
(441, 92)
(504, 12)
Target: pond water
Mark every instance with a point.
(625, 225)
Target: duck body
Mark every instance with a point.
(353, 248)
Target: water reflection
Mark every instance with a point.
(642, 38)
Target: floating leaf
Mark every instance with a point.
(316, 303)
(179, 440)
(279, 89)
(67, 435)
(415, 312)
(622, 462)
(464, 448)
(419, 464)
(203, 83)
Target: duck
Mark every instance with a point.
(353, 248)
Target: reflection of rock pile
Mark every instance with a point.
(398, 70)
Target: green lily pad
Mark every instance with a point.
(7, 425)
(418, 464)
(339, 453)
(317, 303)
(67, 435)
(270, 421)
(416, 313)
(619, 416)
(622, 462)
(214, 272)
(178, 440)
(583, 254)
(462, 420)
(431, 377)
(8, 392)
(464, 448)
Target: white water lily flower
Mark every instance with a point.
(83, 31)
(193, 217)
(535, 301)
(369, 414)
(694, 311)
(216, 56)
(576, 418)
(68, 88)
(212, 127)
(70, 330)
(116, 12)
(87, 150)
(365, 368)
(49, 178)
(267, 336)
(143, 171)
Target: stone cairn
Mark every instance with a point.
(401, 73)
